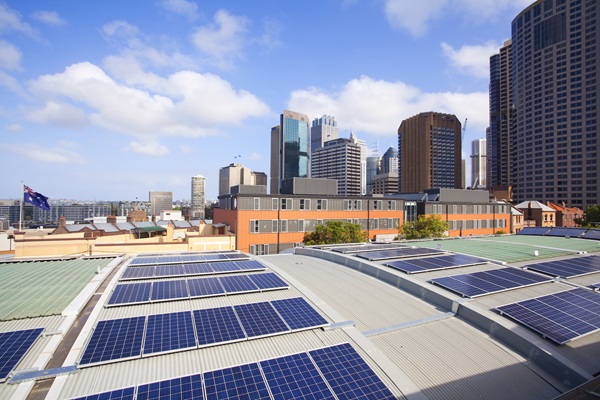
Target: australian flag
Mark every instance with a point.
(35, 198)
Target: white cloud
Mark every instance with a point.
(14, 128)
(49, 17)
(12, 84)
(378, 107)
(222, 41)
(255, 156)
(10, 56)
(186, 149)
(271, 32)
(471, 60)
(39, 153)
(185, 104)
(59, 114)
(151, 148)
(10, 20)
(414, 16)
(182, 7)
(120, 29)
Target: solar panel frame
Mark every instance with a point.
(238, 284)
(436, 263)
(268, 281)
(348, 374)
(224, 267)
(143, 272)
(119, 394)
(167, 333)
(142, 261)
(260, 320)
(561, 317)
(568, 268)
(186, 387)
(13, 347)
(239, 382)
(168, 270)
(115, 339)
(237, 256)
(298, 314)
(130, 293)
(250, 265)
(404, 252)
(174, 289)
(205, 287)
(218, 325)
(366, 247)
(198, 269)
(592, 234)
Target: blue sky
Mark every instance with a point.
(108, 100)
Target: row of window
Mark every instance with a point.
(477, 224)
(309, 225)
(468, 209)
(321, 204)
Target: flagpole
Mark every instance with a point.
(21, 205)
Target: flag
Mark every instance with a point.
(35, 198)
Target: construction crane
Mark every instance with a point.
(464, 130)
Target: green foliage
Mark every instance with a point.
(333, 232)
(591, 217)
(424, 227)
(500, 232)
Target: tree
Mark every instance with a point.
(424, 227)
(333, 232)
(591, 217)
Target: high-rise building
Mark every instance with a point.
(373, 169)
(160, 201)
(236, 174)
(339, 159)
(363, 162)
(430, 156)
(478, 163)
(555, 63)
(289, 149)
(322, 130)
(389, 161)
(198, 197)
(499, 133)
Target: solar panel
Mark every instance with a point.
(217, 325)
(242, 382)
(168, 332)
(487, 282)
(566, 232)
(143, 261)
(169, 290)
(13, 346)
(348, 374)
(224, 267)
(397, 253)
(119, 394)
(568, 268)
(295, 377)
(238, 284)
(115, 339)
(237, 256)
(187, 387)
(260, 319)
(268, 281)
(198, 269)
(417, 265)
(250, 265)
(130, 293)
(138, 273)
(169, 270)
(561, 317)
(203, 287)
(592, 234)
(365, 247)
(533, 230)
(298, 314)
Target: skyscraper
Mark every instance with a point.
(478, 164)
(236, 174)
(322, 130)
(500, 132)
(389, 161)
(555, 61)
(198, 197)
(160, 201)
(430, 156)
(289, 149)
(373, 168)
(339, 159)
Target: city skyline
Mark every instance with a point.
(110, 101)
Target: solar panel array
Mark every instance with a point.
(365, 247)
(125, 338)
(488, 282)
(592, 234)
(335, 372)
(177, 289)
(533, 230)
(564, 232)
(560, 317)
(427, 264)
(568, 268)
(13, 347)
(403, 252)
(191, 269)
(187, 258)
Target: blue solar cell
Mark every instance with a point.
(592, 234)
(224, 267)
(434, 263)
(365, 248)
(203, 287)
(115, 339)
(237, 256)
(119, 394)
(268, 281)
(568, 268)
(169, 270)
(198, 269)
(217, 325)
(168, 332)
(348, 374)
(298, 314)
(169, 290)
(397, 253)
(131, 293)
(250, 265)
(143, 261)
(487, 282)
(295, 377)
(566, 232)
(242, 382)
(187, 387)
(561, 317)
(238, 284)
(533, 230)
(13, 346)
(260, 319)
(138, 273)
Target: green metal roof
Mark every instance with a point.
(149, 229)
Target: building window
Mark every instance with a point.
(464, 209)
(253, 226)
(358, 205)
(259, 249)
(256, 203)
(300, 225)
(374, 223)
(286, 204)
(274, 204)
(454, 209)
(346, 205)
(322, 204)
(391, 205)
(284, 225)
(305, 204)
(377, 205)
(274, 226)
